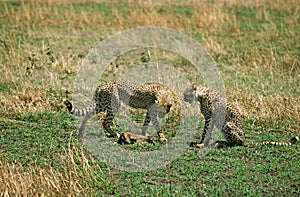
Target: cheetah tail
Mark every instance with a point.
(292, 141)
(88, 111)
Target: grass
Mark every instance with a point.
(42, 44)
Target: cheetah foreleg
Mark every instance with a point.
(207, 131)
(146, 123)
(151, 115)
(206, 134)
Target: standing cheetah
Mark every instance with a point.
(155, 98)
(232, 127)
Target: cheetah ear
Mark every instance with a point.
(194, 87)
(169, 106)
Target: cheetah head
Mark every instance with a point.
(163, 104)
(193, 93)
(162, 107)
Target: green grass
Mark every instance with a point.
(40, 140)
(255, 45)
(34, 135)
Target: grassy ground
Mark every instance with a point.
(42, 43)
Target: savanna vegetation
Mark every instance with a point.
(255, 45)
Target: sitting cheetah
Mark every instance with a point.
(233, 126)
(155, 98)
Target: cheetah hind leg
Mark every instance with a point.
(82, 126)
(234, 136)
(107, 123)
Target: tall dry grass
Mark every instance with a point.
(77, 176)
(40, 79)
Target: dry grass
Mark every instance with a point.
(77, 175)
(42, 44)
(37, 70)
(262, 109)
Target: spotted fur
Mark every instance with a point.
(155, 98)
(211, 102)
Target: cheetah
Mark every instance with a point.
(155, 98)
(232, 128)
